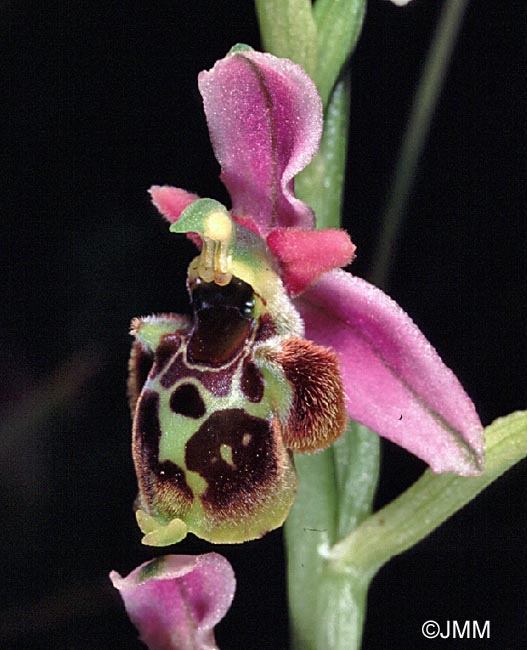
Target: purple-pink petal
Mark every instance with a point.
(171, 201)
(265, 122)
(395, 381)
(175, 601)
(304, 255)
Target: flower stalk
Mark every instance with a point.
(337, 486)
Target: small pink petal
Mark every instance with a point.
(305, 255)
(175, 601)
(265, 122)
(171, 201)
(396, 384)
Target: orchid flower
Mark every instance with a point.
(301, 337)
(175, 601)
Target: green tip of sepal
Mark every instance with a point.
(239, 47)
(195, 217)
(158, 534)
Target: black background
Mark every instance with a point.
(102, 102)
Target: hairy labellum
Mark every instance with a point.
(220, 400)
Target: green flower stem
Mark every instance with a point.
(424, 103)
(310, 524)
(288, 30)
(334, 545)
(319, 37)
(338, 25)
(356, 457)
(335, 494)
(338, 617)
(321, 184)
(336, 487)
(428, 503)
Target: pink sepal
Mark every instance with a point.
(175, 601)
(395, 382)
(265, 122)
(304, 255)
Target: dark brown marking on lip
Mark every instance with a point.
(218, 338)
(222, 321)
(218, 382)
(167, 348)
(266, 328)
(147, 427)
(252, 382)
(187, 401)
(254, 464)
(170, 475)
(147, 433)
(159, 482)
